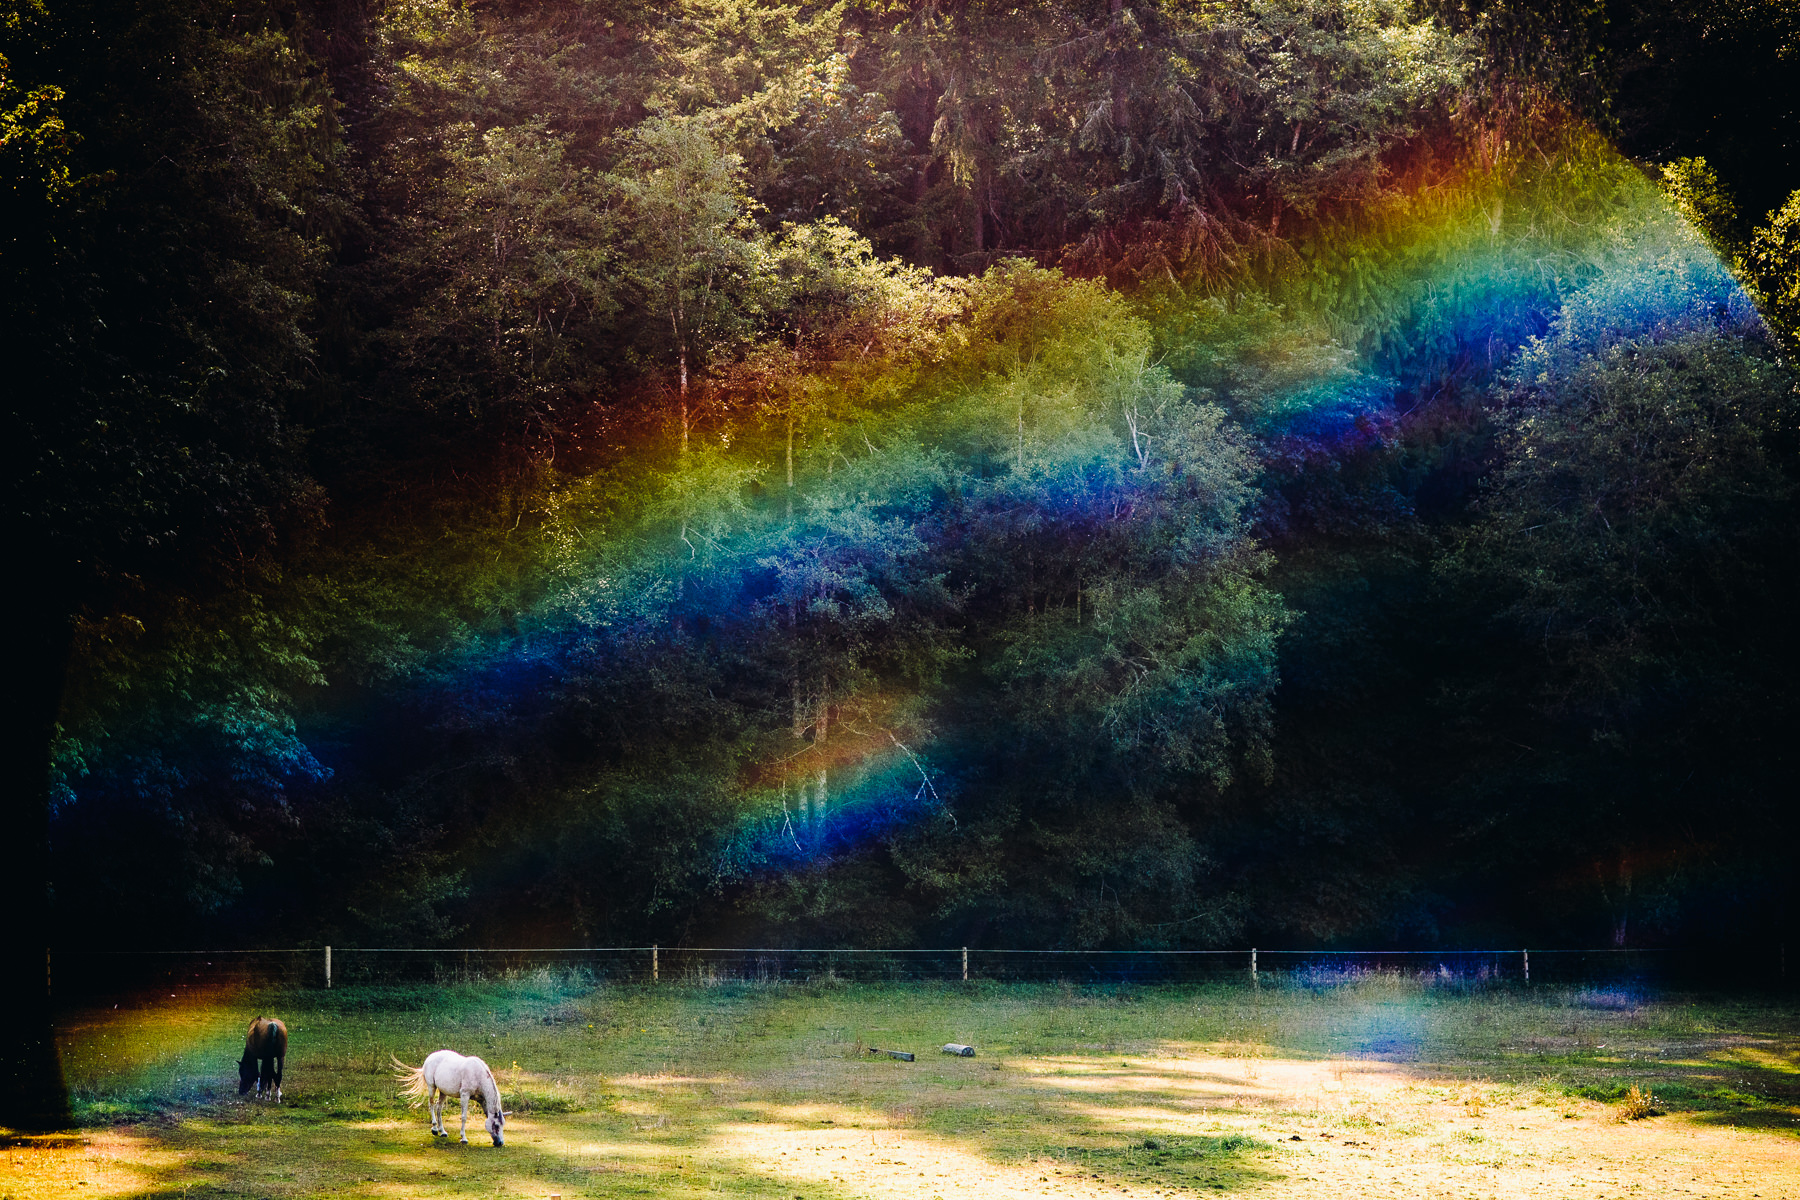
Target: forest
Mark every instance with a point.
(1110, 474)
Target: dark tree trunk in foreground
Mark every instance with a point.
(32, 1093)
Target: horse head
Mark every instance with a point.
(496, 1124)
(246, 1073)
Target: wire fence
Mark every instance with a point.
(78, 973)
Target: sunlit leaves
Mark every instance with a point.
(34, 142)
(1774, 262)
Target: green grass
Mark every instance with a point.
(643, 1089)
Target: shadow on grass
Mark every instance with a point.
(1128, 1148)
(1727, 1094)
(42, 1141)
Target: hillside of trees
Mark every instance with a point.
(1165, 473)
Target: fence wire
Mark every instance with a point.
(90, 972)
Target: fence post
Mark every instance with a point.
(1253, 977)
(655, 964)
(1527, 955)
(965, 964)
(327, 966)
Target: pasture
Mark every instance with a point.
(1380, 1085)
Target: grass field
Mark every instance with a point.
(1366, 1086)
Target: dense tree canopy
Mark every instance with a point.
(1089, 475)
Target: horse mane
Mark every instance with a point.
(490, 1090)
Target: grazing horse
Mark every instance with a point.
(446, 1073)
(264, 1047)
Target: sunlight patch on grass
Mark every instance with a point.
(106, 1163)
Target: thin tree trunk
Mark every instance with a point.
(1021, 433)
(676, 315)
(790, 474)
(1119, 113)
(975, 196)
(684, 399)
(1620, 926)
(32, 1092)
(924, 116)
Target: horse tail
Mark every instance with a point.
(412, 1082)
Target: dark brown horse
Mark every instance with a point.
(264, 1049)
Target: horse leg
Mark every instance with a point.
(464, 1131)
(437, 1112)
(278, 1062)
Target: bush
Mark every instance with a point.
(1638, 1104)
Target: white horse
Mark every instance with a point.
(447, 1073)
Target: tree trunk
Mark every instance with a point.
(921, 118)
(32, 1093)
(1021, 434)
(1120, 115)
(790, 480)
(682, 355)
(1624, 911)
(676, 316)
(975, 195)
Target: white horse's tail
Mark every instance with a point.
(412, 1082)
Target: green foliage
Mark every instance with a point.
(34, 142)
(1694, 188)
(1708, 81)
(974, 597)
(517, 254)
(881, 607)
(1633, 545)
(696, 261)
(154, 321)
(1192, 126)
(1773, 262)
(839, 154)
(1343, 83)
(1635, 501)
